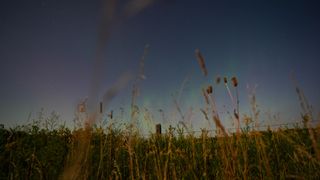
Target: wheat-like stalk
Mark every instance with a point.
(201, 62)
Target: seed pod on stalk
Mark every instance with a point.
(234, 81)
(201, 62)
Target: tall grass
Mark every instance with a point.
(32, 153)
(44, 150)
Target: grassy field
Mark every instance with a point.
(43, 150)
(28, 152)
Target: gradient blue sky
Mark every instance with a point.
(47, 50)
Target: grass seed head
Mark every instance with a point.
(205, 96)
(225, 79)
(234, 81)
(201, 62)
(209, 89)
(218, 80)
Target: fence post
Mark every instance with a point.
(158, 129)
(100, 107)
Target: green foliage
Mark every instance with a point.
(30, 152)
(33, 153)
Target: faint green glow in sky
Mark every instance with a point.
(47, 52)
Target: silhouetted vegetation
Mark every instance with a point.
(31, 152)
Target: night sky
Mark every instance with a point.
(49, 51)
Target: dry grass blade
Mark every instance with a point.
(205, 114)
(135, 88)
(225, 79)
(185, 81)
(176, 103)
(234, 81)
(72, 169)
(201, 62)
(306, 108)
(219, 125)
(76, 165)
(205, 95)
